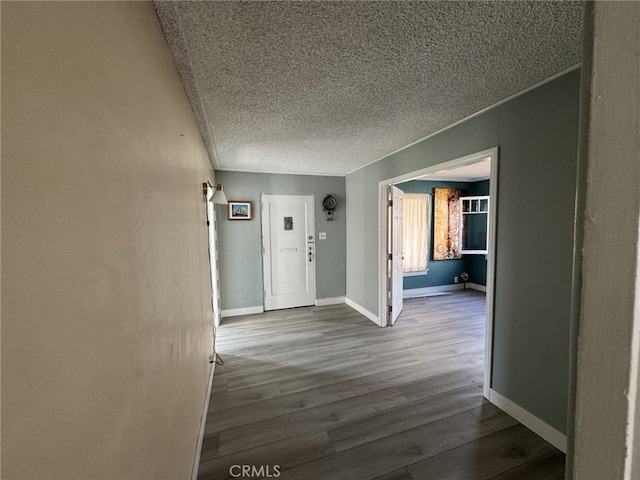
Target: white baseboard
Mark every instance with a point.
(477, 286)
(329, 301)
(533, 423)
(203, 422)
(235, 312)
(362, 310)
(427, 291)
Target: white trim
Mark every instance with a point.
(427, 291)
(491, 269)
(203, 422)
(360, 309)
(477, 286)
(529, 420)
(236, 312)
(493, 209)
(445, 165)
(437, 289)
(329, 301)
(480, 112)
(438, 178)
(417, 273)
(382, 252)
(275, 172)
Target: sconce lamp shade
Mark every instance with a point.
(218, 195)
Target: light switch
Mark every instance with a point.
(322, 235)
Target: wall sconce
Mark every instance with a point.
(218, 193)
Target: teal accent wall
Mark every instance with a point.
(441, 272)
(240, 242)
(537, 136)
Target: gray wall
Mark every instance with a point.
(537, 137)
(239, 244)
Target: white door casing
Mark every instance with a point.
(213, 259)
(288, 251)
(383, 287)
(394, 249)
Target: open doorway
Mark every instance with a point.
(453, 170)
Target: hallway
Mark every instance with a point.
(322, 393)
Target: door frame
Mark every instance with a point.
(493, 210)
(392, 238)
(214, 269)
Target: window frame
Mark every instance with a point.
(461, 224)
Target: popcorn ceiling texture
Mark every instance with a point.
(326, 87)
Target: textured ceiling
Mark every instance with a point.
(326, 87)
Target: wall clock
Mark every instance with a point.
(329, 205)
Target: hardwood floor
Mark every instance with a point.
(323, 393)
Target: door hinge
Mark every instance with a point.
(389, 309)
(389, 256)
(389, 203)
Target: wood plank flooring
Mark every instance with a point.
(323, 393)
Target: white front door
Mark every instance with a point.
(288, 251)
(395, 254)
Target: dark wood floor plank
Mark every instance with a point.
(493, 417)
(322, 392)
(278, 428)
(210, 444)
(417, 382)
(547, 467)
(401, 474)
(285, 455)
(443, 382)
(484, 458)
(323, 377)
(244, 396)
(395, 420)
(394, 452)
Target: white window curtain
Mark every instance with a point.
(416, 231)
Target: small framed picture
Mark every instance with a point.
(239, 210)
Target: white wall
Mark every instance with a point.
(106, 313)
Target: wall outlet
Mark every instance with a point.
(322, 235)
(455, 279)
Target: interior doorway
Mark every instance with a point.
(387, 277)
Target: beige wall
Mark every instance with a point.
(106, 314)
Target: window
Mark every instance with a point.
(474, 224)
(416, 232)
